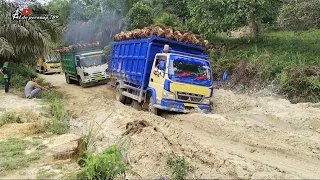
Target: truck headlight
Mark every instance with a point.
(85, 74)
(168, 95)
(206, 101)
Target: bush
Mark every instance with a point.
(107, 165)
(301, 85)
(20, 75)
(58, 126)
(300, 15)
(9, 118)
(278, 57)
(178, 166)
(139, 16)
(169, 20)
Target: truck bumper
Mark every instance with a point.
(175, 106)
(53, 71)
(100, 81)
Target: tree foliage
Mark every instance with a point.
(300, 15)
(62, 8)
(140, 15)
(210, 16)
(91, 20)
(24, 40)
(169, 20)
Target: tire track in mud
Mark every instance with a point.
(252, 138)
(300, 166)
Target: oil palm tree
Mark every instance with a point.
(23, 40)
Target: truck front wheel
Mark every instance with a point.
(81, 83)
(119, 96)
(153, 109)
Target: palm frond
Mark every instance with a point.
(5, 48)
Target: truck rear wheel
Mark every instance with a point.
(68, 80)
(119, 96)
(153, 109)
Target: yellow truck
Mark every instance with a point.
(49, 64)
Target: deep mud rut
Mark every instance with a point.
(246, 137)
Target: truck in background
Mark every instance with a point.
(86, 66)
(49, 64)
(162, 74)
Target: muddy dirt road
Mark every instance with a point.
(247, 136)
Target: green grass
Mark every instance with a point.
(12, 155)
(277, 56)
(179, 167)
(45, 174)
(59, 116)
(9, 118)
(106, 165)
(41, 147)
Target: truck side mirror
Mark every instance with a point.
(78, 61)
(225, 76)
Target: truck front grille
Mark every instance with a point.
(189, 97)
(96, 75)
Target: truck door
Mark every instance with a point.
(157, 76)
(79, 68)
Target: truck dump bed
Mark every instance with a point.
(132, 60)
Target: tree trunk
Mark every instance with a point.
(254, 24)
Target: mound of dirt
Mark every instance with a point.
(135, 127)
(16, 130)
(65, 146)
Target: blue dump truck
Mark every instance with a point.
(162, 74)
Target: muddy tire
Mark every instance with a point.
(68, 80)
(83, 85)
(136, 105)
(211, 105)
(119, 96)
(153, 109)
(128, 100)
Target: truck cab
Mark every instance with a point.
(49, 64)
(86, 67)
(180, 82)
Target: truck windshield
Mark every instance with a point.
(52, 59)
(189, 70)
(95, 60)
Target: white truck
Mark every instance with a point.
(86, 66)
